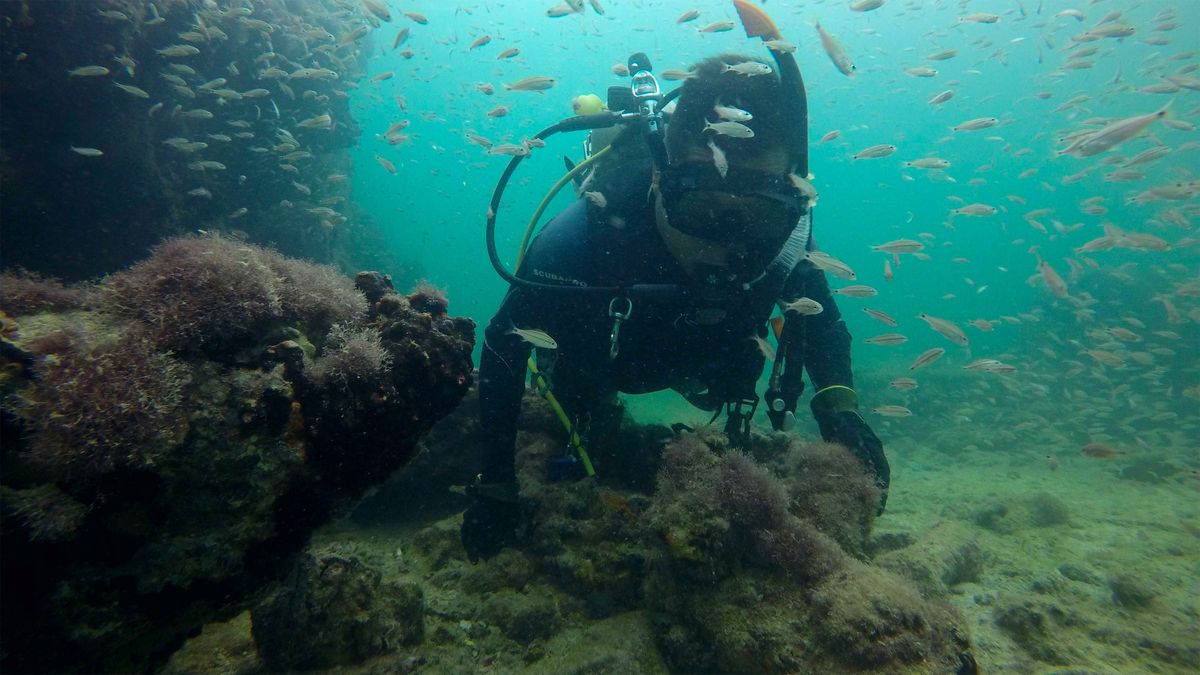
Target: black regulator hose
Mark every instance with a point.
(577, 123)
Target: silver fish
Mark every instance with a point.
(887, 339)
(731, 129)
(976, 124)
(1114, 134)
(130, 89)
(928, 163)
(830, 264)
(87, 71)
(875, 151)
(538, 338)
(748, 68)
(532, 83)
(856, 291)
(731, 114)
(899, 246)
(764, 348)
(803, 307)
(178, 50)
(927, 357)
(947, 329)
(835, 50)
(719, 159)
(718, 27)
(880, 316)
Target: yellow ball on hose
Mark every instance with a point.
(587, 104)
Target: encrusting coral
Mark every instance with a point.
(168, 448)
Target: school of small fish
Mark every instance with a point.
(241, 97)
(1109, 362)
(1108, 117)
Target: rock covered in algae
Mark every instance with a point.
(524, 617)
(725, 563)
(748, 581)
(1007, 516)
(740, 565)
(335, 609)
(166, 448)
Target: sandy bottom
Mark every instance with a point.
(1108, 528)
(1115, 527)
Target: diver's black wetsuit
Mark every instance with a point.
(664, 344)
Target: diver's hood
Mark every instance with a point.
(649, 121)
(758, 24)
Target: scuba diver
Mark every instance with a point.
(688, 232)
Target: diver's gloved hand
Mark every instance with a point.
(780, 411)
(737, 422)
(490, 522)
(836, 411)
(849, 429)
(737, 431)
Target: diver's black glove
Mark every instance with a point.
(490, 522)
(780, 411)
(737, 423)
(836, 411)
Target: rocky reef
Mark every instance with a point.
(344, 607)
(173, 435)
(716, 561)
(758, 573)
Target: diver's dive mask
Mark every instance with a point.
(749, 214)
(744, 206)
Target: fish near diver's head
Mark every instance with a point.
(744, 83)
(725, 199)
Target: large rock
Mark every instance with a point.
(167, 448)
(751, 579)
(334, 609)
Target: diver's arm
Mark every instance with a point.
(823, 342)
(819, 342)
(501, 386)
(556, 255)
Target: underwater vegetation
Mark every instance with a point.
(174, 434)
(206, 298)
(178, 430)
(755, 579)
(725, 563)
